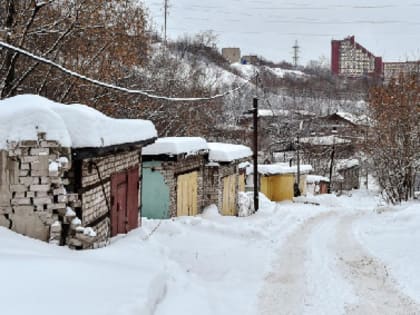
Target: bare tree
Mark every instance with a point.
(394, 140)
(100, 39)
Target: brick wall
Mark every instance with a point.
(213, 181)
(182, 165)
(39, 196)
(94, 204)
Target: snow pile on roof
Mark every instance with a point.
(76, 126)
(356, 120)
(311, 179)
(225, 152)
(282, 168)
(346, 164)
(176, 145)
(324, 140)
(282, 112)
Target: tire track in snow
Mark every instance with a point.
(377, 291)
(285, 286)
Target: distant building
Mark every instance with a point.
(231, 54)
(350, 59)
(393, 69)
(250, 59)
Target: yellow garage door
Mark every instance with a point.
(187, 194)
(241, 182)
(266, 186)
(229, 195)
(278, 187)
(282, 187)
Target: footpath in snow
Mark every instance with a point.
(338, 257)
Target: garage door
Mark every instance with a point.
(229, 195)
(187, 194)
(124, 196)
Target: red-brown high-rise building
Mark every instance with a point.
(350, 59)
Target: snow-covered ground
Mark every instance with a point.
(319, 255)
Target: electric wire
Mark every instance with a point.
(115, 87)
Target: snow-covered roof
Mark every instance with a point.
(310, 179)
(175, 146)
(282, 168)
(356, 120)
(346, 164)
(324, 140)
(282, 112)
(225, 152)
(76, 126)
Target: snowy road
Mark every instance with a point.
(323, 269)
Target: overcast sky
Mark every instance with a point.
(269, 28)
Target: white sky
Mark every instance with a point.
(269, 28)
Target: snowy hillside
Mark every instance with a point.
(249, 71)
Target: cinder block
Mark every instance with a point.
(18, 188)
(19, 195)
(49, 144)
(59, 191)
(20, 201)
(30, 194)
(21, 210)
(28, 180)
(39, 151)
(39, 173)
(57, 206)
(23, 173)
(28, 143)
(42, 201)
(45, 180)
(44, 188)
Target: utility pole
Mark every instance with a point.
(296, 49)
(255, 142)
(166, 17)
(331, 165)
(297, 190)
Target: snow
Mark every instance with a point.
(176, 145)
(210, 264)
(281, 168)
(310, 179)
(225, 152)
(53, 166)
(393, 236)
(76, 126)
(249, 71)
(342, 164)
(282, 112)
(76, 221)
(357, 120)
(324, 140)
(70, 212)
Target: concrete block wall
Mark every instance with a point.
(33, 196)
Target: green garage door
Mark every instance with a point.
(155, 193)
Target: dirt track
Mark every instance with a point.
(322, 269)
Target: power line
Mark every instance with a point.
(115, 87)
